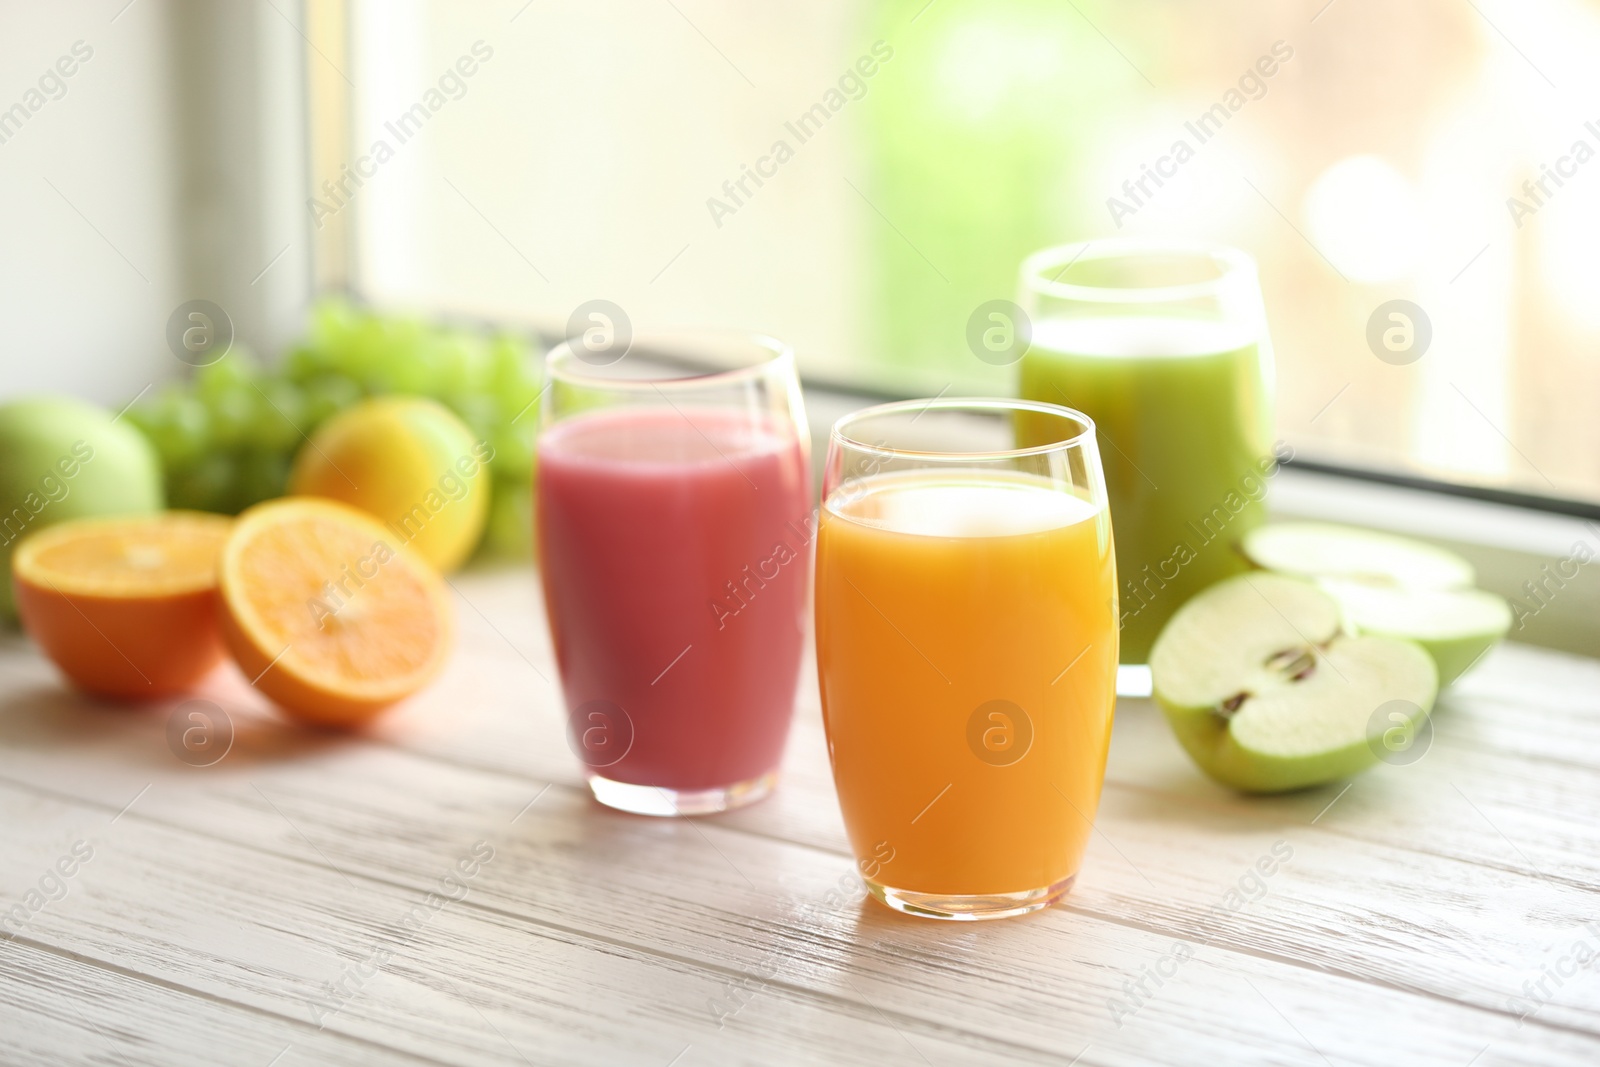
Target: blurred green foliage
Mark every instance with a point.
(975, 134)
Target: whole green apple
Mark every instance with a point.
(61, 459)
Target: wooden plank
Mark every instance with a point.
(295, 938)
(1395, 890)
(56, 1009)
(759, 914)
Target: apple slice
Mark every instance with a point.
(1455, 626)
(1391, 586)
(1328, 550)
(1267, 693)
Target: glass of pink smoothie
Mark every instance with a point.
(675, 527)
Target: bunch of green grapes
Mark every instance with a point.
(228, 436)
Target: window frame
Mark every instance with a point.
(1470, 518)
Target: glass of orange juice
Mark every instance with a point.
(966, 611)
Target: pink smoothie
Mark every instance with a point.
(675, 547)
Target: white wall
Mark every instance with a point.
(84, 311)
(158, 176)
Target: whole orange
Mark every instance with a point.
(409, 462)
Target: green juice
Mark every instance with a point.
(1182, 407)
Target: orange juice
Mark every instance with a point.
(967, 650)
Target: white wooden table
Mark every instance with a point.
(290, 904)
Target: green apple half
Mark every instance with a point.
(1267, 692)
(1390, 586)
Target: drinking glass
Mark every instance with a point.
(1165, 346)
(966, 626)
(674, 524)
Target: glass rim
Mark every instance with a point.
(1232, 261)
(560, 361)
(839, 435)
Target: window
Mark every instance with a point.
(857, 177)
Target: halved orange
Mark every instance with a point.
(327, 613)
(126, 607)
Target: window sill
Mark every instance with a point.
(1530, 557)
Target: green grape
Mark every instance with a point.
(189, 429)
(238, 369)
(478, 362)
(341, 336)
(325, 395)
(177, 424)
(452, 367)
(509, 531)
(333, 322)
(418, 370)
(233, 414)
(305, 361)
(147, 414)
(479, 411)
(513, 451)
(154, 418)
(463, 364)
(512, 358)
(514, 378)
(402, 356)
(370, 348)
(328, 316)
(262, 475)
(205, 485)
(456, 402)
(280, 417)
